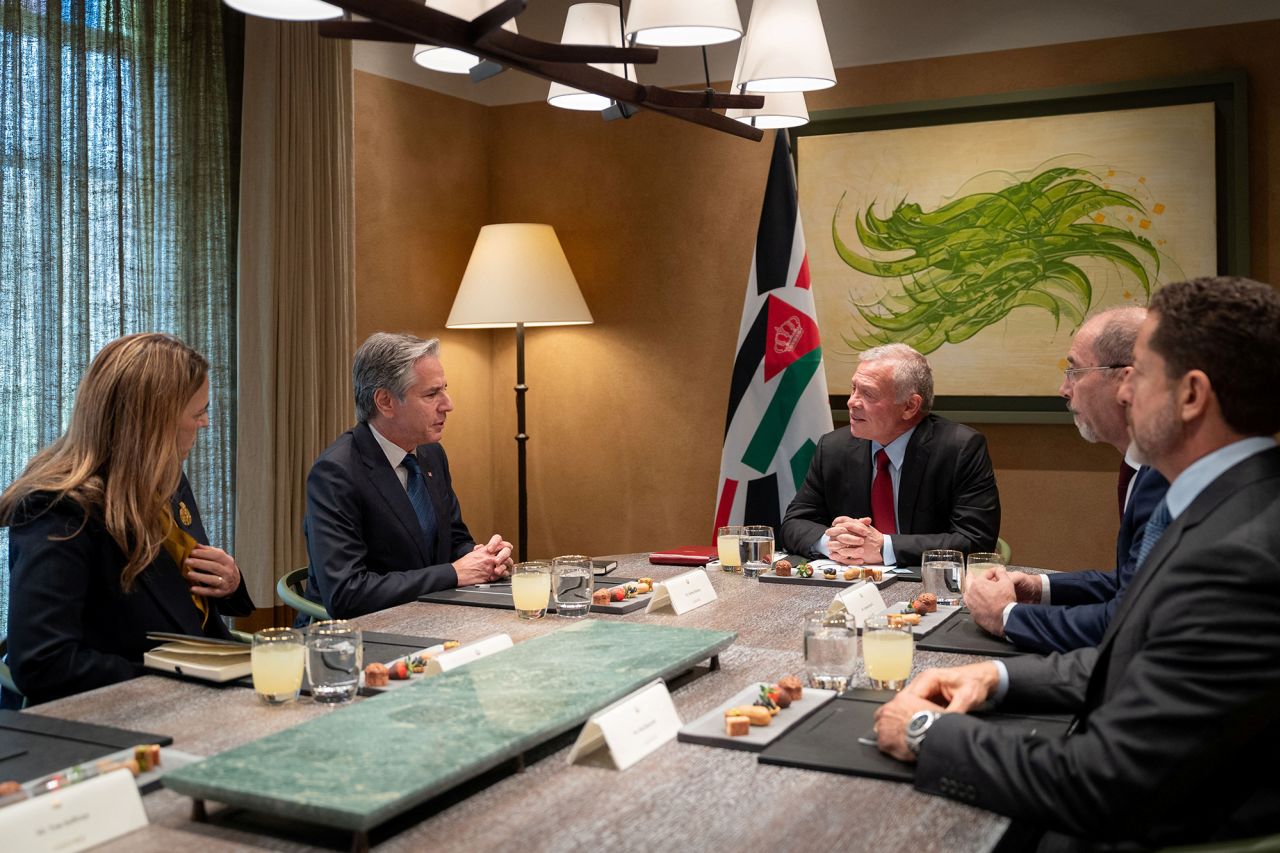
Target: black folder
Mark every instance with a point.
(32, 745)
(960, 635)
(829, 739)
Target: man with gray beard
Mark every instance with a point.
(1069, 610)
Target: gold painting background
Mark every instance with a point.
(1160, 155)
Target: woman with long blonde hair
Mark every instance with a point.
(105, 538)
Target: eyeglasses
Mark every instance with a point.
(1073, 373)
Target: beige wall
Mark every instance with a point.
(657, 219)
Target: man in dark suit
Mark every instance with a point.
(1069, 610)
(1176, 708)
(899, 481)
(383, 524)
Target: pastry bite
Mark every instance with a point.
(757, 715)
(736, 726)
(782, 568)
(376, 675)
(792, 687)
(925, 602)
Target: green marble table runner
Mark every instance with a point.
(360, 766)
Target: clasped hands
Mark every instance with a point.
(211, 572)
(854, 542)
(988, 593)
(956, 690)
(488, 562)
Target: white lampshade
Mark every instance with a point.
(518, 274)
(287, 10)
(781, 109)
(785, 49)
(683, 23)
(451, 59)
(588, 23)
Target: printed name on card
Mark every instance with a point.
(860, 600)
(454, 658)
(631, 728)
(682, 593)
(76, 817)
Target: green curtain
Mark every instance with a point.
(116, 214)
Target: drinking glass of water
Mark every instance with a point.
(572, 583)
(334, 659)
(830, 649)
(942, 573)
(757, 550)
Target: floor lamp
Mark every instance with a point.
(518, 276)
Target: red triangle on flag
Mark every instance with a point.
(802, 277)
(791, 334)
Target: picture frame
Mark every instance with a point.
(1146, 117)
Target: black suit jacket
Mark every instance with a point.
(71, 627)
(1177, 708)
(366, 549)
(947, 495)
(1083, 603)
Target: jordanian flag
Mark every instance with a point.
(778, 407)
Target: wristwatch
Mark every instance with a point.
(918, 727)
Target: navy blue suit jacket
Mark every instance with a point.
(366, 548)
(1090, 598)
(71, 627)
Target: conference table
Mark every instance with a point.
(680, 797)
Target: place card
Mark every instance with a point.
(76, 817)
(682, 593)
(630, 728)
(454, 658)
(860, 600)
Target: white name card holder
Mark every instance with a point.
(860, 600)
(630, 728)
(682, 593)
(454, 658)
(76, 817)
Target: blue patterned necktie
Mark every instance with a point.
(417, 489)
(1156, 524)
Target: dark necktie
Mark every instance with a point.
(1156, 524)
(417, 489)
(1122, 485)
(883, 517)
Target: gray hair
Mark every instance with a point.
(1119, 332)
(911, 373)
(386, 360)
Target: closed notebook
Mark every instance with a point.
(200, 657)
(694, 555)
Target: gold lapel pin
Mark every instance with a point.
(184, 514)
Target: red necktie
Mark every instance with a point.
(883, 517)
(1122, 486)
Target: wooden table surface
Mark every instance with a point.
(681, 797)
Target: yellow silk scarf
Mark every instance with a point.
(179, 544)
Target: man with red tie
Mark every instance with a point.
(899, 481)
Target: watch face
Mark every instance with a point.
(919, 722)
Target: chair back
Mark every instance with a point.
(290, 589)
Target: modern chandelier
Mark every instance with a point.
(784, 51)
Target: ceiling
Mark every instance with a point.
(859, 32)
